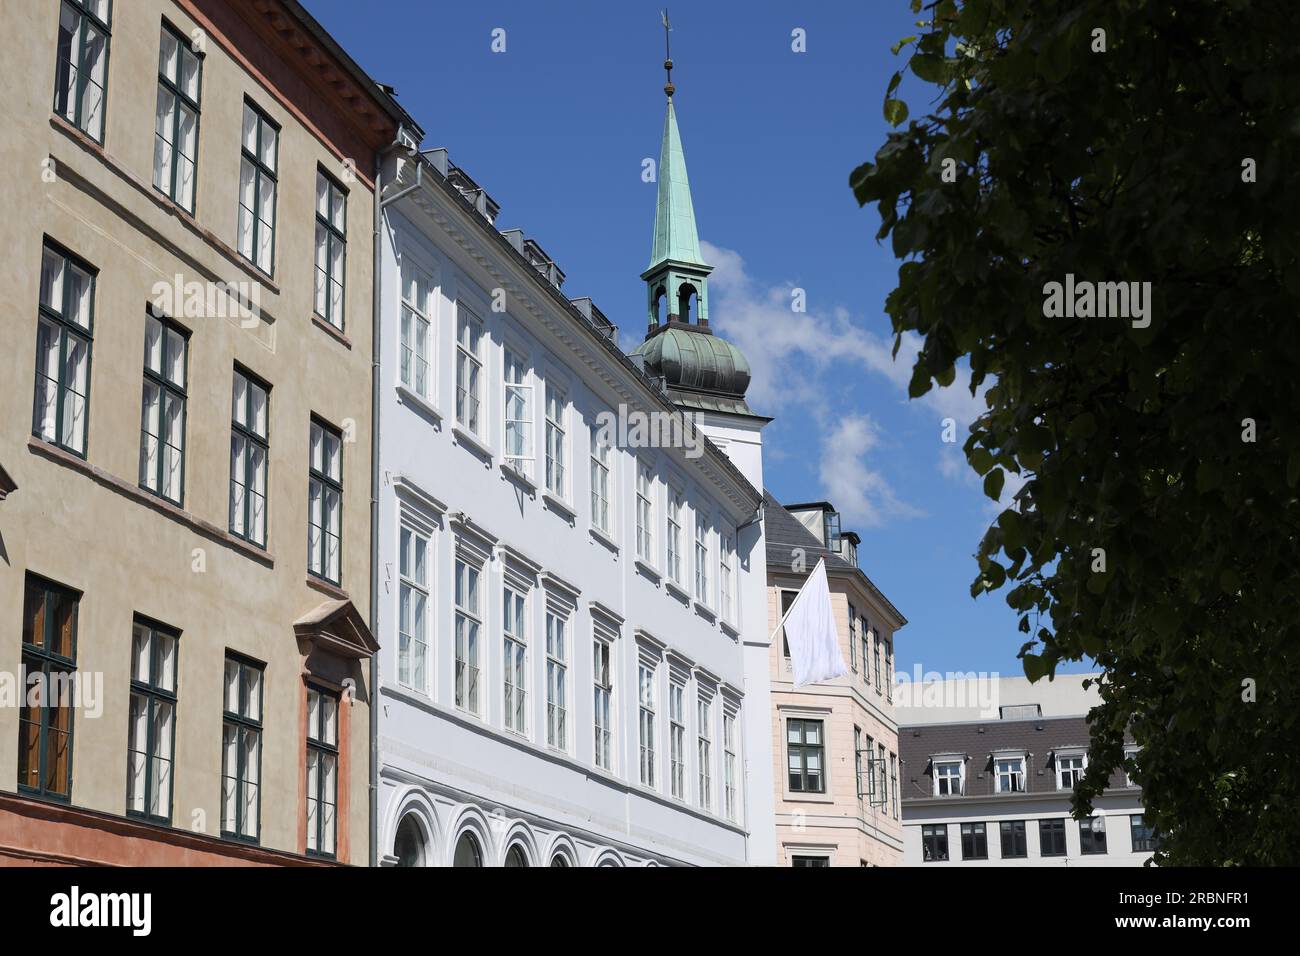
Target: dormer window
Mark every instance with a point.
(1069, 768)
(1009, 773)
(949, 776)
(831, 531)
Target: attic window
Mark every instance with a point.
(1021, 712)
(831, 532)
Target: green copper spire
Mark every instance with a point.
(675, 236)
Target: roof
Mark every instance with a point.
(784, 532)
(675, 237)
(337, 627)
(696, 361)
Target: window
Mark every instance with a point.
(417, 307)
(675, 507)
(514, 669)
(857, 762)
(1010, 773)
(150, 746)
(249, 452)
(467, 851)
(727, 576)
(934, 843)
(469, 368)
(176, 118)
(880, 771)
(257, 187)
(1013, 839)
(974, 842)
(604, 691)
(556, 676)
(810, 862)
(677, 739)
(600, 460)
(1130, 765)
(853, 641)
(1144, 838)
(557, 442)
(804, 753)
(1069, 770)
(1092, 835)
(893, 781)
(324, 502)
(518, 414)
(412, 609)
(63, 328)
(468, 619)
(81, 62)
(948, 778)
(869, 750)
(322, 769)
(729, 766)
(646, 724)
(864, 642)
(704, 718)
(889, 670)
(876, 641)
(241, 750)
(645, 513)
(787, 602)
(701, 558)
(1051, 837)
(331, 248)
(162, 419)
(45, 718)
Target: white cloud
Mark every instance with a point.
(861, 493)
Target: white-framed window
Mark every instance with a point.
(413, 609)
(257, 188)
(600, 465)
(727, 576)
(853, 640)
(557, 441)
(176, 119)
(645, 513)
(1069, 769)
(81, 61)
(732, 806)
(603, 684)
(415, 360)
(514, 671)
(322, 770)
(469, 368)
(518, 410)
(469, 618)
(677, 739)
(646, 723)
(324, 501)
(1009, 773)
(557, 675)
(948, 778)
(704, 741)
(676, 505)
(701, 557)
(331, 248)
(1130, 756)
(249, 451)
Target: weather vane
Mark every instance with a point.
(668, 53)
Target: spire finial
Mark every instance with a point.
(668, 54)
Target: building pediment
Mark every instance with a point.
(338, 628)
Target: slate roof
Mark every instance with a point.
(784, 532)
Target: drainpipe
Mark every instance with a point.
(375, 350)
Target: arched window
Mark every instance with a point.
(560, 860)
(516, 856)
(409, 846)
(468, 852)
(685, 294)
(659, 297)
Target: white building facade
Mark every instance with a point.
(562, 610)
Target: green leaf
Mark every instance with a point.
(1013, 530)
(930, 67)
(993, 483)
(1035, 666)
(895, 111)
(898, 46)
(1209, 476)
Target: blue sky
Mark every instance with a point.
(556, 128)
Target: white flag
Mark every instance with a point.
(810, 632)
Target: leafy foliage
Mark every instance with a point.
(1126, 165)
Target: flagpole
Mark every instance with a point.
(795, 602)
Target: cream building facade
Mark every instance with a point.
(835, 744)
(185, 390)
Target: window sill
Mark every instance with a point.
(677, 590)
(729, 629)
(560, 506)
(649, 570)
(518, 477)
(605, 539)
(704, 611)
(808, 797)
(149, 499)
(409, 397)
(325, 587)
(471, 441)
(332, 331)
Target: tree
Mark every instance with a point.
(1158, 529)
